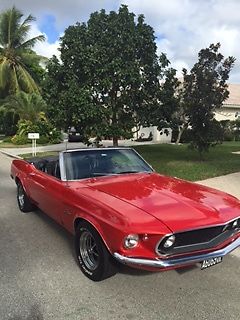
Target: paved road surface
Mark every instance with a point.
(39, 278)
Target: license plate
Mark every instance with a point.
(210, 262)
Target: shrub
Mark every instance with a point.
(185, 138)
(19, 139)
(228, 136)
(8, 139)
(8, 122)
(47, 133)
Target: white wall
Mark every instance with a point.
(158, 136)
(227, 113)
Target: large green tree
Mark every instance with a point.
(108, 78)
(18, 62)
(204, 90)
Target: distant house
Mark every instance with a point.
(231, 107)
(229, 111)
(161, 136)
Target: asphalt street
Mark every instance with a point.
(40, 279)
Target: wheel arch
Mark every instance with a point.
(19, 180)
(95, 225)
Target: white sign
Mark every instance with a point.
(32, 135)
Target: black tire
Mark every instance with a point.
(24, 203)
(96, 262)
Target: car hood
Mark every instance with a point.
(179, 204)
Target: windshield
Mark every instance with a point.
(93, 163)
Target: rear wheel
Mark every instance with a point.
(93, 257)
(24, 203)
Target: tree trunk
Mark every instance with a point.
(115, 141)
(180, 132)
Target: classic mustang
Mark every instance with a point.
(120, 209)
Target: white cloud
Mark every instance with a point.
(187, 26)
(45, 48)
(183, 27)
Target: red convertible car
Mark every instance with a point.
(119, 209)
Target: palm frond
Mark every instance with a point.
(15, 80)
(27, 106)
(16, 68)
(4, 71)
(26, 81)
(28, 20)
(31, 58)
(31, 42)
(14, 17)
(23, 30)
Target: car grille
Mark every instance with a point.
(199, 239)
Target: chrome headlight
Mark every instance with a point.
(131, 241)
(169, 242)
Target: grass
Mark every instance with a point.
(11, 145)
(179, 161)
(39, 154)
(4, 144)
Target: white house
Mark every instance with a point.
(231, 107)
(229, 111)
(157, 136)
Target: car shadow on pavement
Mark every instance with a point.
(57, 228)
(122, 269)
(138, 272)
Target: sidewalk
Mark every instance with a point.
(229, 183)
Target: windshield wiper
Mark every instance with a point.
(101, 174)
(129, 171)
(133, 171)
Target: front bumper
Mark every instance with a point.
(177, 262)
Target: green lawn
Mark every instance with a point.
(39, 154)
(180, 161)
(11, 145)
(27, 145)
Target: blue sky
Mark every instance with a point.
(47, 25)
(185, 26)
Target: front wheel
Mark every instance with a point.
(93, 257)
(24, 203)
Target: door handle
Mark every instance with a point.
(32, 174)
(67, 212)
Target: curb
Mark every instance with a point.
(10, 155)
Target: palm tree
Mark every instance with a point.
(16, 54)
(29, 106)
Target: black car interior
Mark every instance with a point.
(49, 165)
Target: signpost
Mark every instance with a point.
(34, 136)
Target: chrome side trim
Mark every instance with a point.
(178, 262)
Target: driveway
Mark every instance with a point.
(39, 278)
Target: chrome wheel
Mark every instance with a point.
(88, 250)
(21, 196)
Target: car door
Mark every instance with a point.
(48, 192)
